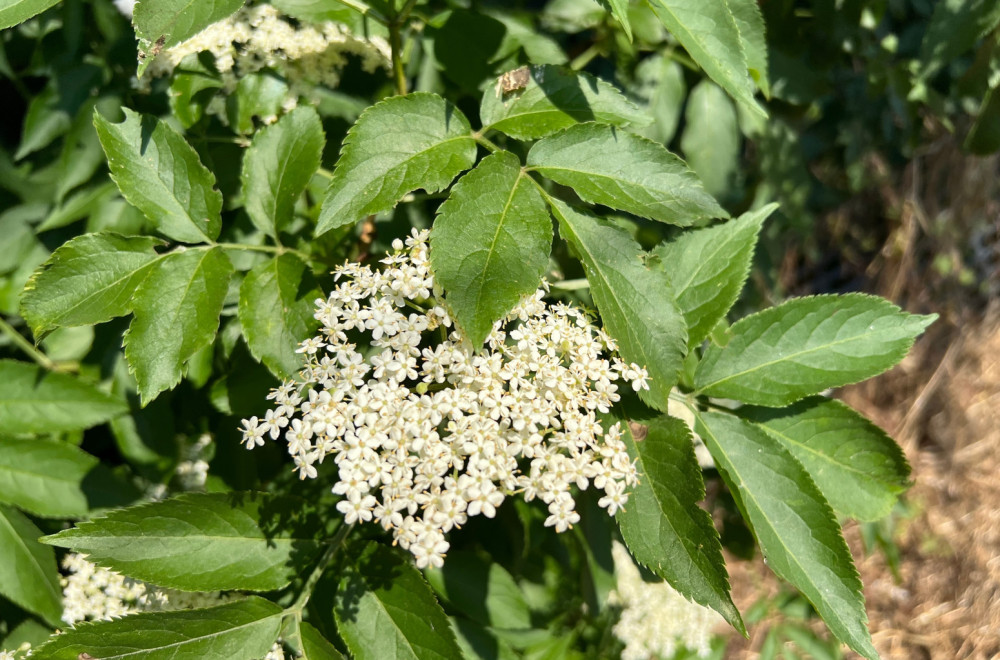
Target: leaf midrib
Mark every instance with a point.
(783, 358)
(34, 560)
(194, 640)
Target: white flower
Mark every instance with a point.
(426, 432)
(655, 620)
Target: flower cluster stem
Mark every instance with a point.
(26, 346)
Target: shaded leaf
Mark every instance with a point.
(955, 27)
(807, 345)
(553, 99)
(55, 479)
(708, 31)
(203, 541)
(33, 400)
(796, 528)
(490, 243)
(635, 302)
(711, 140)
(177, 311)
(244, 629)
(278, 166)
(707, 268)
(662, 524)
(315, 646)
(385, 610)
(660, 84)
(89, 279)
(482, 590)
(397, 146)
(277, 303)
(28, 574)
(160, 173)
(619, 9)
(857, 467)
(605, 165)
(983, 138)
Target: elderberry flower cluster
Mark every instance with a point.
(94, 593)
(656, 621)
(425, 432)
(260, 37)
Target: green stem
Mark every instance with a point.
(584, 58)
(404, 13)
(271, 249)
(26, 346)
(323, 172)
(300, 603)
(364, 9)
(396, 44)
(478, 137)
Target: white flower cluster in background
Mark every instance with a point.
(260, 37)
(656, 621)
(425, 432)
(93, 593)
(192, 471)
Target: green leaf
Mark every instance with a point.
(490, 243)
(707, 268)
(33, 400)
(983, 138)
(163, 23)
(319, 11)
(660, 84)
(89, 279)
(619, 9)
(857, 467)
(55, 479)
(955, 27)
(709, 32)
(203, 541)
(278, 165)
(28, 574)
(662, 524)
(161, 174)
(385, 610)
(796, 528)
(397, 146)
(478, 642)
(605, 165)
(276, 311)
(555, 98)
(244, 629)
(482, 590)
(177, 311)
(807, 345)
(711, 140)
(635, 302)
(315, 646)
(13, 12)
(753, 41)
(260, 94)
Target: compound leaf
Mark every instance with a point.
(203, 541)
(385, 609)
(605, 165)
(806, 345)
(635, 302)
(277, 300)
(797, 531)
(244, 629)
(28, 574)
(278, 165)
(490, 243)
(553, 99)
(707, 268)
(89, 279)
(662, 524)
(177, 311)
(397, 146)
(33, 400)
(158, 172)
(855, 464)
